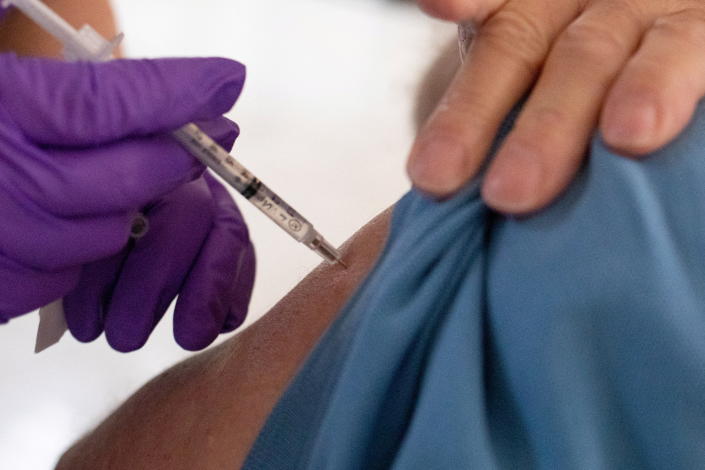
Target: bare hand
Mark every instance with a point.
(636, 67)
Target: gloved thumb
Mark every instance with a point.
(81, 104)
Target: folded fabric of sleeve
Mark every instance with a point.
(572, 339)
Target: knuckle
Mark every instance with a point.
(517, 35)
(687, 25)
(463, 103)
(536, 128)
(548, 117)
(587, 41)
(443, 129)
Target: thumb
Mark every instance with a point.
(82, 104)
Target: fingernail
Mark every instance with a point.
(514, 180)
(631, 124)
(438, 166)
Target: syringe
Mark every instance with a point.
(221, 162)
(87, 44)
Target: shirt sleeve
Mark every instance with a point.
(573, 336)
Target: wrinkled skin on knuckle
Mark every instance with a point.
(536, 130)
(548, 117)
(516, 35)
(589, 43)
(463, 102)
(687, 25)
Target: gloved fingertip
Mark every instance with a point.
(196, 338)
(235, 319)
(128, 323)
(222, 82)
(125, 344)
(85, 336)
(84, 305)
(222, 130)
(82, 319)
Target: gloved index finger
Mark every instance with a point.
(122, 176)
(82, 104)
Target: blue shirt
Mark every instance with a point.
(573, 339)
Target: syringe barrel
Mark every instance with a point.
(281, 213)
(200, 145)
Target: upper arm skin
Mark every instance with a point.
(206, 412)
(21, 35)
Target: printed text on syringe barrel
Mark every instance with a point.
(247, 184)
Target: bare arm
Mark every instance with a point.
(19, 34)
(207, 411)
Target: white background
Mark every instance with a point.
(326, 122)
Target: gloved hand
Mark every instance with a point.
(82, 149)
(197, 246)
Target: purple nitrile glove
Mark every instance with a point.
(85, 146)
(197, 247)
